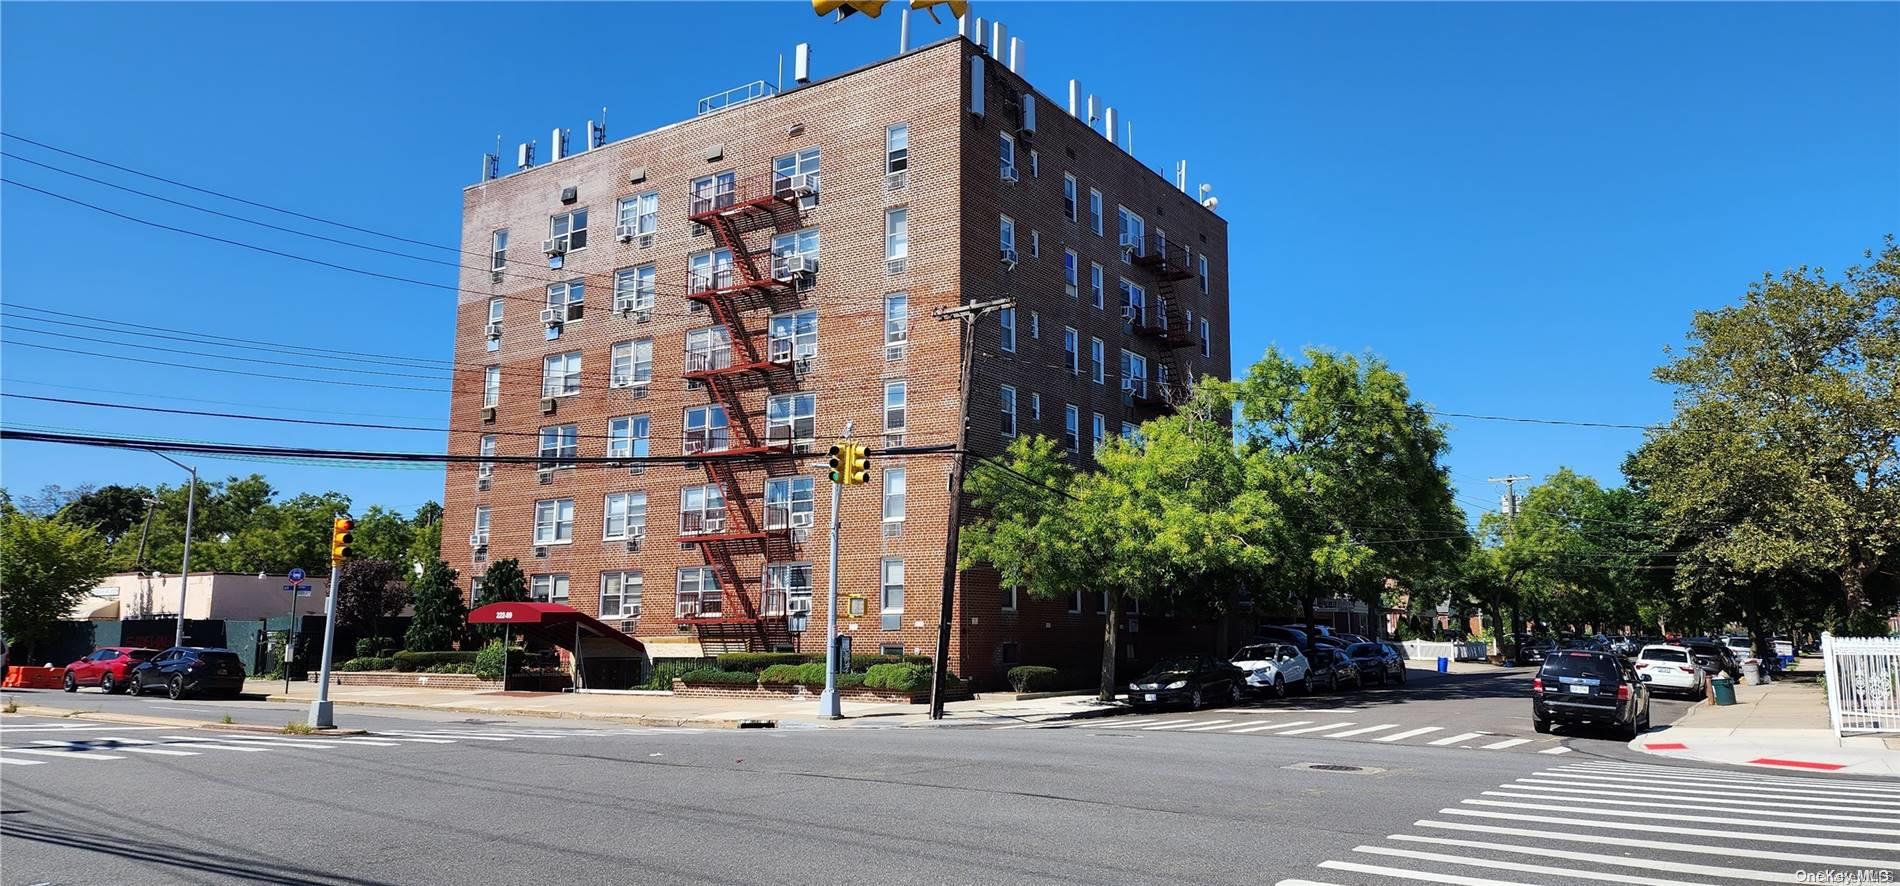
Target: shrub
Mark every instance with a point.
(450, 667)
(759, 661)
(368, 663)
(374, 647)
(423, 661)
(808, 674)
(901, 676)
(850, 681)
(1034, 678)
(717, 677)
(665, 672)
(866, 662)
(490, 661)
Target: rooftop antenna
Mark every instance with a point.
(1180, 175)
(1075, 96)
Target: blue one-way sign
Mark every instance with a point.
(296, 574)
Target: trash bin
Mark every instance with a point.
(1723, 689)
(1444, 665)
(1751, 673)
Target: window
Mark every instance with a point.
(1207, 341)
(1075, 602)
(1007, 402)
(1096, 359)
(561, 374)
(788, 589)
(793, 338)
(492, 335)
(895, 395)
(554, 521)
(1035, 243)
(1068, 196)
(1133, 234)
(1035, 325)
(709, 270)
(569, 230)
(712, 192)
(548, 588)
(1201, 263)
(486, 469)
(1095, 285)
(896, 324)
(480, 535)
(1134, 306)
(796, 170)
(1006, 157)
(697, 592)
(791, 418)
(559, 442)
(705, 429)
(620, 594)
(788, 503)
(895, 494)
(638, 215)
(891, 649)
(1095, 211)
(630, 364)
(1099, 429)
(1007, 235)
(564, 300)
(1069, 265)
(1069, 350)
(633, 289)
(626, 516)
(892, 609)
(1006, 321)
(896, 234)
(498, 249)
(1071, 427)
(491, 387)
(1009, 598)
(802, 244)
(1035, 406)
(1035, 164)
(708, 348)
(702, 509)
(896, 148)
(629, 436)
(1130, 432)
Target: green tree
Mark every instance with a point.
(113, 510)
(439, 614)
(47, 566)
(426, 543)
(383, 534)
(1783, 457)
(368, 591)
(502, 582)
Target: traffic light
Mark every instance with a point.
(340, 538)
(840, 457)
(958, 8)
(849, 464)
(845, 8)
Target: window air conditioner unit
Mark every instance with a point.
(624, 233)
(803, 364)
(481, 484)
(895, 180)
(623, 305)
(544, 475)
(1128, 313)
(541, 553)
(553, 316)
(801, 519)
(894, 266)
(492, 330)
(494, 276)
(633, 544)
(1009, 257)
(548, 405)
(478, 540)
(1009, 176)
(646, 241)
(1130, 242)
(488, 415)
(792, 267)
(803, 184)
(554, 246)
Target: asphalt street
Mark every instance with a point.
(432, 800)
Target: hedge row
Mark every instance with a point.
(1034, 678)
(904, 676)
(368, 663)
(809, 674)
(717, 677)
(422, 661)
(759, 661)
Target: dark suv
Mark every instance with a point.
(188, 670)
(1577, 686)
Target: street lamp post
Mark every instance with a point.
(191, 507)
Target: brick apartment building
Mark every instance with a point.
(739, 286)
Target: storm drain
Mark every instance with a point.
(1336, 767)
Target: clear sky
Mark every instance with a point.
(1517, 205)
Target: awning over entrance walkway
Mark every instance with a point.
(590, 641)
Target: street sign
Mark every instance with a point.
(302, 590)
(296, 575)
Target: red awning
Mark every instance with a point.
(546, 615)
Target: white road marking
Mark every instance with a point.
(1460, 737)
(384, 737)
(1521, 867)
(1017, 726)
(22, 762)
(1755, 823)
(68, 754)
(1620, 841)
(1745, 777)
(1315, 728)
(1132, 723)
(1181, 724)
(1676, 867)
(1361, 730)
(277, 742)
(443, 735)
(1401, 736)
(186, 741)
(1212, 724)
(1663, 793)
(1706, 778)
(160, 752)
(70, 727)
(1507, 743)
(1265, 726)
(1556, 750)
(1703, 833)
(1657, 781)
(1532, 794)
(1303, 883)
(1421, 876)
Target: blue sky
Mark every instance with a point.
(1517, 205)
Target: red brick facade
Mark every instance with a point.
(954, 198)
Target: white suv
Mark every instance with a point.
(1671, 668)
(1272, 668)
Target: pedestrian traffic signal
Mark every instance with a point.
(850, 465)
(845, 8)
(958, 8)
(340, 538)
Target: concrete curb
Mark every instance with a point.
(174, 722)
(629, 719)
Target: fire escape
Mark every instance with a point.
(1166, 324)
(730, 293)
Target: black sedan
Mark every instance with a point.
(1331, 667)
(1190, 680)
(189, 670)
(1377, 662)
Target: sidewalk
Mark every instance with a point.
(1782, 725)
(656, 709)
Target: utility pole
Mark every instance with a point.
(1509, 506)
(844, 458)
(191, 507)
(968, 314)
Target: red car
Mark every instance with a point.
(106, 667)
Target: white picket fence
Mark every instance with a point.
(1863, 683)
(1429, 651)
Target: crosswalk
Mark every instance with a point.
(1316, 725)
(38, 744)
(1614, 822)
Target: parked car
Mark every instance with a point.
(1672, 668)
(1715, 657)
(1627, 646)
(1331, 667)
(1297, 637)
(1191, 680)
(1374, 660)
(1532, 649)
(1353, 638)
(1272, 668)
(1399, 651)
(1586, 686)
(1312, 630)
(189, 670)
(106, 667)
